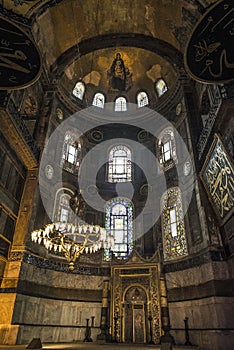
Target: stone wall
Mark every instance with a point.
(204, 294)
(50, 305)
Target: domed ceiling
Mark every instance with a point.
(60, 25)
(145, 68)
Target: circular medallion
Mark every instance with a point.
(59, 113)
(178, 109)
(20, 59)
(49, 171)
(143, 135)
(97, 135)
(186, 168)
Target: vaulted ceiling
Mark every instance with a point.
(78, 39)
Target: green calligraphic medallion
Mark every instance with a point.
(20, 61)
(209, 55)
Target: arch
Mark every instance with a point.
(120, 104)
(161, 87)
(147, 42)
(71, 156)
(142, 99)
(166, 149)
(79, 90)
(99, 100)
(62, 212)
(173, 230)
(120, 164)
(119, 223)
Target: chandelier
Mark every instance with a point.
(73, 240)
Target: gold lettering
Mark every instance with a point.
(6, 62)
(221, 20)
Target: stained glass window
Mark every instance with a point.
(174, 238)
(62, 205)
(99, 100)
(71, 152)
(79, 90)
(142, 99)
(120, 164)
(119, 223)
(120, 104)
(166, 149)
(160, 87)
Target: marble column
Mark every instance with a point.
(166, 337)
(104, 335)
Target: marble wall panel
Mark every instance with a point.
(208, 339)
(200, 274)
(33, 310)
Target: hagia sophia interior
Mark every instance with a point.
(117, 175)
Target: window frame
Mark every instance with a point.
(164, 139)
(126, 104)
(146, 96)
(104, 100)
(127, 217)
(159, 91)
(174, 245)
(79, 95)
(73, 143)
(127, 175)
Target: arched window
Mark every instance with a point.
(119, 223)
(174, 240)
(121, 104)
(142, 99)
(99, 100)
(161, 87)
(166, 149)
(79, 90)
(71, 152)
(62, 209)
(120, 164)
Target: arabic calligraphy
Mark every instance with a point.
(20, 62)
(209, 54)
(219, 179)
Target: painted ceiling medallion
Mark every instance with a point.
(209, 55)
(20, 61)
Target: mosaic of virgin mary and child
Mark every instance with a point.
(119, 75)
